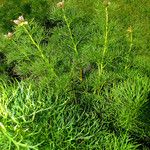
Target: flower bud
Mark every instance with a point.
(20, 21)
(9, 35)
(106, 3)
(60, 4)
(20, 18)
(129, 29)
(17, 22)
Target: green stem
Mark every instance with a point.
(17, 144)
(131, 42)
(101, 66)
(39, 49)
(130, 47)
(33, 41)
(70, 32)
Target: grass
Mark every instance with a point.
(75, 77)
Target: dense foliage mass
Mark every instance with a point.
(74, 75)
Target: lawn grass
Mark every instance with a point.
(76, 77)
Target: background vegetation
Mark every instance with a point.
(75, 78)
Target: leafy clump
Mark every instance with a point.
(73, 76)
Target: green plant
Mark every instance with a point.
(133, 94)
(71, 78)
(101, 67)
